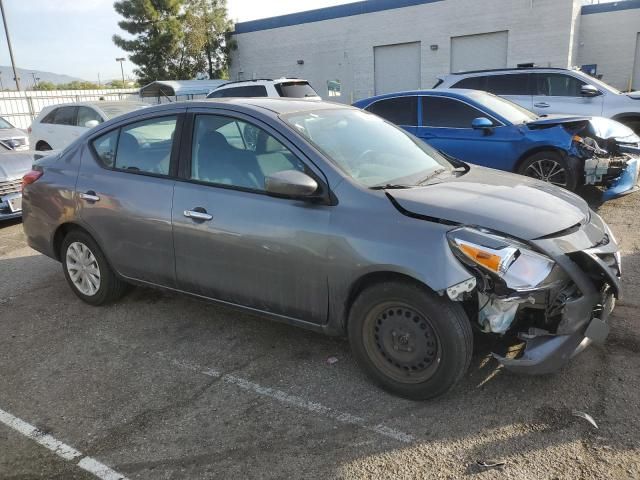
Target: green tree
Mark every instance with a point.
(45, 86)
(157, 36)
(78, 85)
(207, 31)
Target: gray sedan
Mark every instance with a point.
(329, 218)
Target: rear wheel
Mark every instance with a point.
(410, 341)
(551, 167)
(87, 270)
(43, 146)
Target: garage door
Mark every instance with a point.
(477, 52)
(397, 67)
(636, 68)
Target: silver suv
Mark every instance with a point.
(553, 90)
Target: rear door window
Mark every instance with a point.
(472, 83)
(399, 110)
(444, 112)
(512, 84)
(296, 90)
(246, 91)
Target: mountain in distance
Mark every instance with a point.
(26, 79)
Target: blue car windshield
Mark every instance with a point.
(511, 112)
(370, 150)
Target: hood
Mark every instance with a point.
(512, 204)
(605, 128)
(553, 120)
(15, 164)
(635, 95)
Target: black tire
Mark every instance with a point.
(392, 353)
(109, 287)
(564, 173)
(632, 122)
(43, 146)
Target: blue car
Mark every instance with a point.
(481, 128)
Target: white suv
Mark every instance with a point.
(553, 90)
(58, 125)
(283, 87)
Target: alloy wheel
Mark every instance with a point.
(548, 170)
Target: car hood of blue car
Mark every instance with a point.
(511, 204)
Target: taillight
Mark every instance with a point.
(29, 130)
(30, 177)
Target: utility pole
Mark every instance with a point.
(13, 62)
(35, 80)
(121, 60)
(1, 86)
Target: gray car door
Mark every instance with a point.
(233, 242)
(125, 188)
(560, 93)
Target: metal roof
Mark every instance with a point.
(327, 13)
(610, 6)
(173, 88)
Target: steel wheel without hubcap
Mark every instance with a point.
(83, 269)
(548, 170)
(402, 343)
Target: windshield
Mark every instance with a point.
(295, 90)
(4, 124)
(116, 109)
(601, 84)
(510, 111)
(367, 148)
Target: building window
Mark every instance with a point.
(334, 88)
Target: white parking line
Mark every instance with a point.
(278, 395)
(61, 449)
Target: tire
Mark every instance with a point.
(100, 289)
(551, 167)
(43, 146)
(410, 341)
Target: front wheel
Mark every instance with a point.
(551, 167)
(87, 271)
(410, 341)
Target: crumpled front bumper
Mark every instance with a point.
(585, 319)
(626, 183)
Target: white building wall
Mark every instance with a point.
(608, 39)
(342, 48)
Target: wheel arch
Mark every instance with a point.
(370, 279)
(61, 232)
(535, 151)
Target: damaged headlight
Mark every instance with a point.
(519, 267)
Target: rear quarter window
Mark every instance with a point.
(246, 91)
(296, 90)
(472, 83)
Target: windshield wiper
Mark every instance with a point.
(433, 174)
(390, 186)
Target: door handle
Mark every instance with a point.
(90, 196)
(541, 105)
(199, 214)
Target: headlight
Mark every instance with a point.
(517, 265)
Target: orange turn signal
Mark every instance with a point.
(481, 257)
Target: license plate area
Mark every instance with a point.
(15, 203)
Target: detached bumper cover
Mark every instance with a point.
(626, 183)
(585, 319)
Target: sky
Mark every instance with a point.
(73, 37)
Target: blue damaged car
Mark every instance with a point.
(481, 128)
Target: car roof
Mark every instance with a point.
(508, 70)
(258, 81)
(461, 93)
(273, 104)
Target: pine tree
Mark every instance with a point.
(157, 31)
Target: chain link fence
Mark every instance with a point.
(20, 108)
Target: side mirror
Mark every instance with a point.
(482, 123)
(589, 91)
(91, 123)
(290, 183)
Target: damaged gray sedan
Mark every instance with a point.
(329, 218)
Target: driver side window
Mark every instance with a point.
(227, 151)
